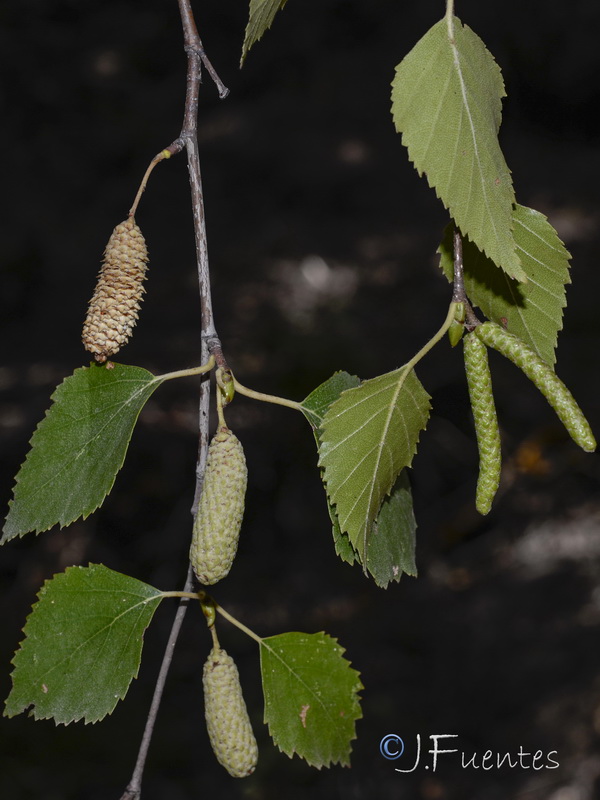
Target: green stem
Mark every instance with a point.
(191, 595)
(449, 17)
(219, 393)
(185, 373)
(215, 638)
(435, 339)
(222, 612)
(266, 398)
(238, 624)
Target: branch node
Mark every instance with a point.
(215, 348)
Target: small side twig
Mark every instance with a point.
(196, 57)
(210, 343)
(458, 294)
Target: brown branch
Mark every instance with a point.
(210, 343)
(458, 294)
(134, 787)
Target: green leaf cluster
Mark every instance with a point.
(83, 646)
(532, 310)
(366, 434)
(446, 102)
(83, 640)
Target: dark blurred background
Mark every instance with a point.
(322, 241)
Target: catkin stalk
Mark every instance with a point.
(479, 382)
(229, 728)
(544, 377)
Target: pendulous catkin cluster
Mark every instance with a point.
(114, 307)
(479, 381)
(217, 525)
(544, 377)
(229, 728)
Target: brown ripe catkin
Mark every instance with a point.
(114, 307)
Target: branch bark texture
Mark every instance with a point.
(209, 342)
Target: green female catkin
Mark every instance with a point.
(229, 728)
(217, 525)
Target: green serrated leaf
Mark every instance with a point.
(532, 310)
(446, 102)
(341, 541)
(262, 13)
(82, 646)
(314, 407)
(368, 436)
(392, 542)
(390, 550)
(78, 448)
(311, 697)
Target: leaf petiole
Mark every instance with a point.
(201, 596)
(434, 339)
(185, 373)
(266, 398)
(238, 624)
(189, 595)
(449, 15)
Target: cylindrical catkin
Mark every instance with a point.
(217, 525)
(229, 728)
(479, 382)
(544, 377)
(115, 304)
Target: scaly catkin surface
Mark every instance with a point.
(479, 382)
(229, 729)
(544, 377)
(114, 307)
(217, 525)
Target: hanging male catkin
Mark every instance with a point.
(114, 307)
(227, 721)
(217, 525)
(544, 377)
(479, 382)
